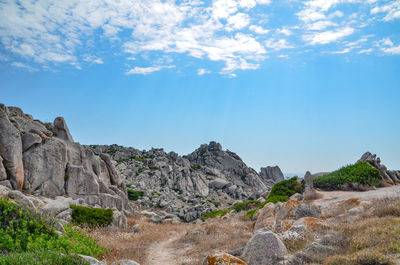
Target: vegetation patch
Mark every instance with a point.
(240, 206)
(27, 238)
(134, 195)
(359, 173)
(92, 217)
(214, 214)
(196, 166)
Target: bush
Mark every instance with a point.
(22, 230)
(134, 195)
(337, 260)
(214, 214)
(91, 216)
(281, 192)
(246, 205)
(371, 258)
(196, 166)
(359, 173)
(41, 258)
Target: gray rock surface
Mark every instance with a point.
(272, 173)
(308, 182)
(92, 261)
(389, 176)
(11, 150)
(264, 247)
(187, 186)
(43, 160)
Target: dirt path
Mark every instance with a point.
(330, 198)
(164, 253)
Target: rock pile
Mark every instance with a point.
(188, 186)
(42, 159)
(391, 177)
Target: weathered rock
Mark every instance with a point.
(119, 220)
(222, 259)
(54, 207)
(388, 176)
(308, 182)
(20, 198)
(310, 223)
(11, 150)
(6, 183)
(264, 247)
(30, 139)
(91, 260)
(3, 174)
(61, 129)
(125, 262)
(156, 219)
(272, 173)
(45, 168)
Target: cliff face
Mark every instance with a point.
(42, 159)
(188, 186)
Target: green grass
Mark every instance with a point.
(41, 258)
(91, 216)
(134, 195)
(214, 214)
(28, 238)
(360, 173)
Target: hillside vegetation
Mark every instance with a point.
(28, 238)
(346, 177)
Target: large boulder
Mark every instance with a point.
(263, 248)
(272, 173)
(11, 150)
(308, 182)
(61, 129)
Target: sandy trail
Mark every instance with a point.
(164, 253)
(330, 198)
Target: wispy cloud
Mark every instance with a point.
(328, 36)
(203, 71)
(22, 65)
(147, 70)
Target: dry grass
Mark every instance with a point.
(220, 234)
(342, 207)
(128, 244)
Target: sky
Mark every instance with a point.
(306, 85)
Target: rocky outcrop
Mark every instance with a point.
(222, 259)
(391, 177)
(273, 174)
(264, 247)
(187, 186)
(308, 182)
(42, 159)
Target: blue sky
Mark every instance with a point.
(306, 85)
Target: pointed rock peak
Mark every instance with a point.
(272, 173)
(61, 129)
(214, 146)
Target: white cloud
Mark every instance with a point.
(98, 61)
(277, 44)
(93, 60)
(284, 31)
(392, 10)
(392, 50)
(147, 70)
(203, 71)
(258, 29)
(328, 36)
(22, 65)
(367, 51)
(320, 25)
(239, 20)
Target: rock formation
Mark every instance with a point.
(42, 159)
(187, 186)
(272, 174)
(391, 177)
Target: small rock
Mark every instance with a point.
(136, 228)
(156, 219)
(92, 260)
(296, 196)
(21, 198)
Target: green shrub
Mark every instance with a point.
(281, 192)
(196, 166)
(91, 216)
(134, 195)
(240, 206)
(214, 214)
(41, 258)
(22, 230)
(360, 173)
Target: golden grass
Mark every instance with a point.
(127, 244)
